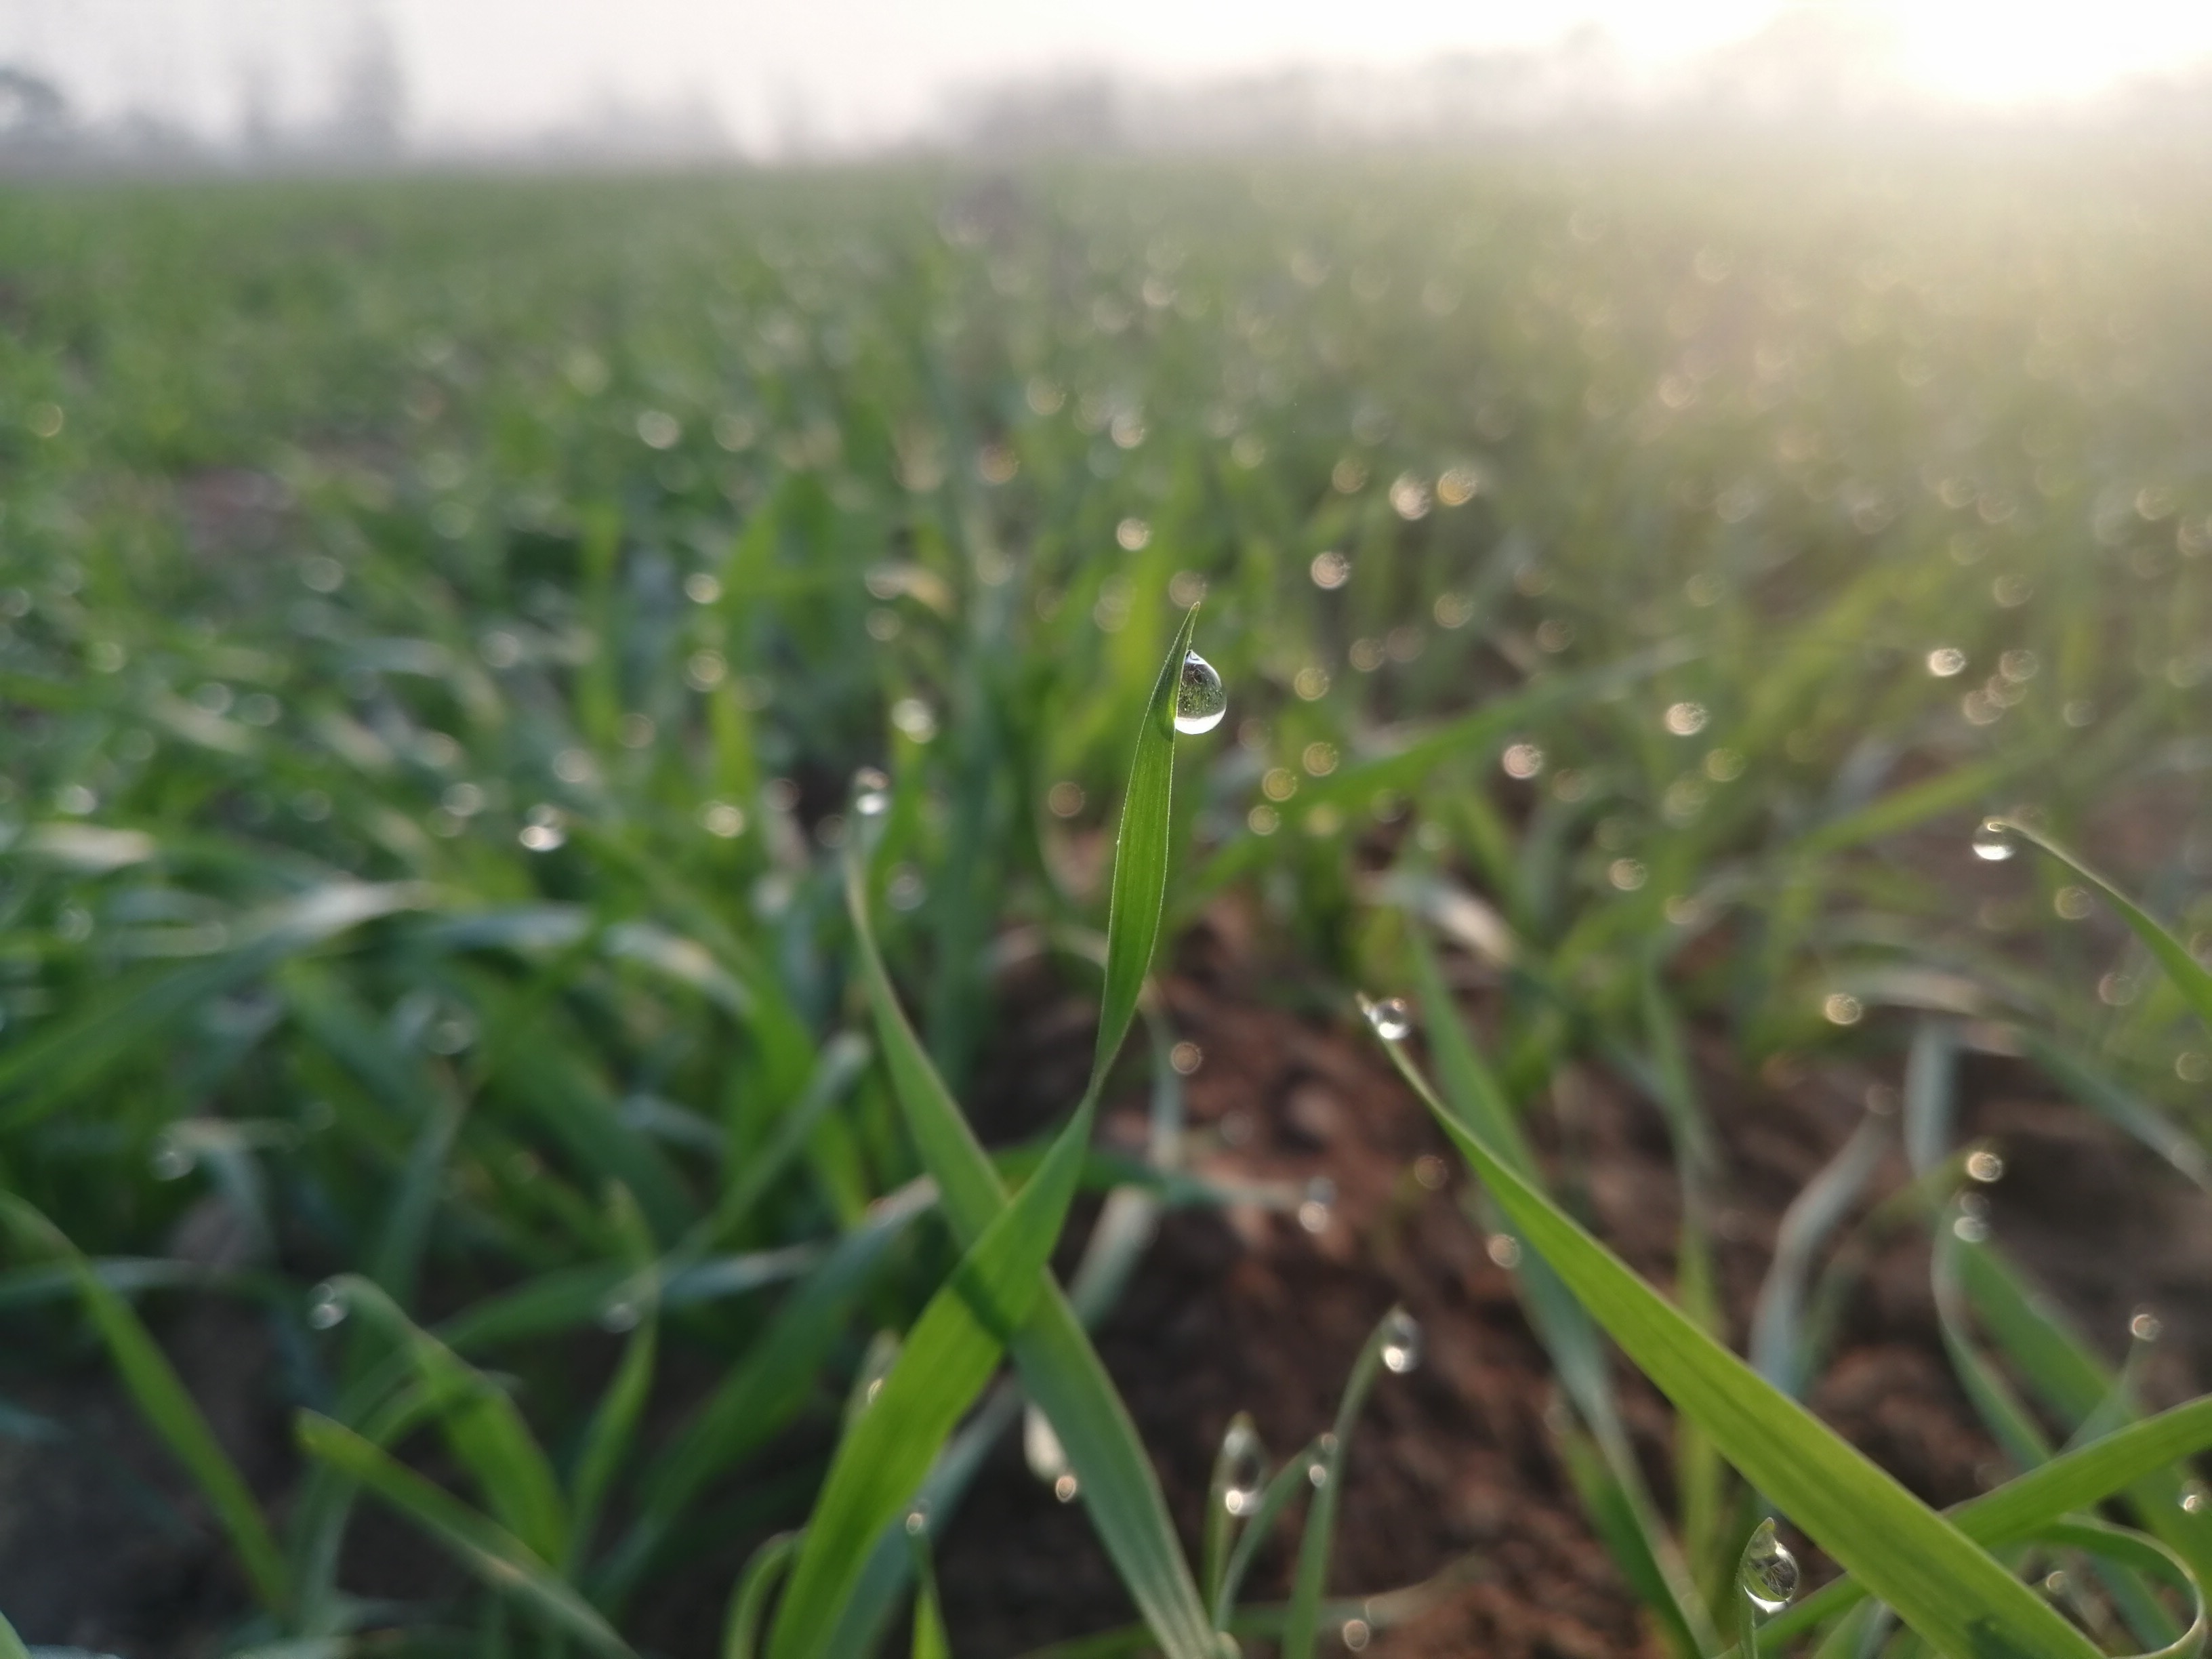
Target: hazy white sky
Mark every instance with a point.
(870, 69)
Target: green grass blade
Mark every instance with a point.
(480, 1422)
(1283, 1487)
(955, 1346)
(502, 1560)
(11, 1645)
(1954, 1594)
(2190, 976)
(613, 1426)
(944, 1362)
(930, 1639)
(161, 1399)
(749, 1602)
(1140, 859)
(1326, 1474)
(2073, 1482)
(1060, 1368)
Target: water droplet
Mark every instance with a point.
(171, 1161)
(1685, 720)
(1317, 1474)
(620, 1315)
(917, 1520)
(1767, 1572)
(1066, 1488)
(1320, 1201)
(1843, 1009)
(1355, 1634)
(1392, 1019)
(2145, 1326)
(1402, 1341)
(1993, 842)
(326, 1306)
(1946, 660)
(1503, 1248)
(1244, 1473)
(1970, 1229)
(2195, 1500)
(1985, 1167)
(1200, 698)
(871, 793)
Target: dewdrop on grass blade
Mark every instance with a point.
(1993, 842)
(1402, 1341)
(1200, 698)
(1767, 1573)
(1246, 1470)
(1392, 1019)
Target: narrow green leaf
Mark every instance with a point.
(1060, 1370)
(749, 1602)
(11, 1645)
(1956, 1595)
(1140, 859)
(1283, 1487)
(946, 1359)
(162, 1400)
(502, 1560)
(608, 1435)
(481, 1424)
(1326, 1474)
(930, 1640)
(2190, 976)
(2074, 1480)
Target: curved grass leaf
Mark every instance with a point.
(1956, 1596)
(502, 1560)
(953, 1348)
(11, 1645)
(2074, 1480)
(1060, 1368)
(2190, 976)
(749, 1602)
(481, 1425)
(161, 1399)
(1326, 1474)
(944, 1363)
(1140, 859)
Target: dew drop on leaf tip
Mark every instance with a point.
(1392, 1019)
(1993, 842)
(1768, 1572)
(1200, 698)
(1402, 1341)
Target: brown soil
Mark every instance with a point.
(1454, 1466)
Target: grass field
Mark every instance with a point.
(441, 623)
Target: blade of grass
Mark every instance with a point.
(1282, 1487)
(1326, 1473)
(1956, 1595)
(481, 1424)
(2190, 976)
(945, 1361)
(1140, 859)
(503, 1561)
(613, 1425)
(1059, 1367)
(749, 1602)
(162, 1400)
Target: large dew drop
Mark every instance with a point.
(1768, 1572)
(1392, 1019)
(1402, 1341)
(1993, 842)
(1200, 698)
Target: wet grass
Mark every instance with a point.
(440, 622)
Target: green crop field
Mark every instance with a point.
(533, 714)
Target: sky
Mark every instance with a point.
(850, 72)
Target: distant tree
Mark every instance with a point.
(32, 110)
(371, 109)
